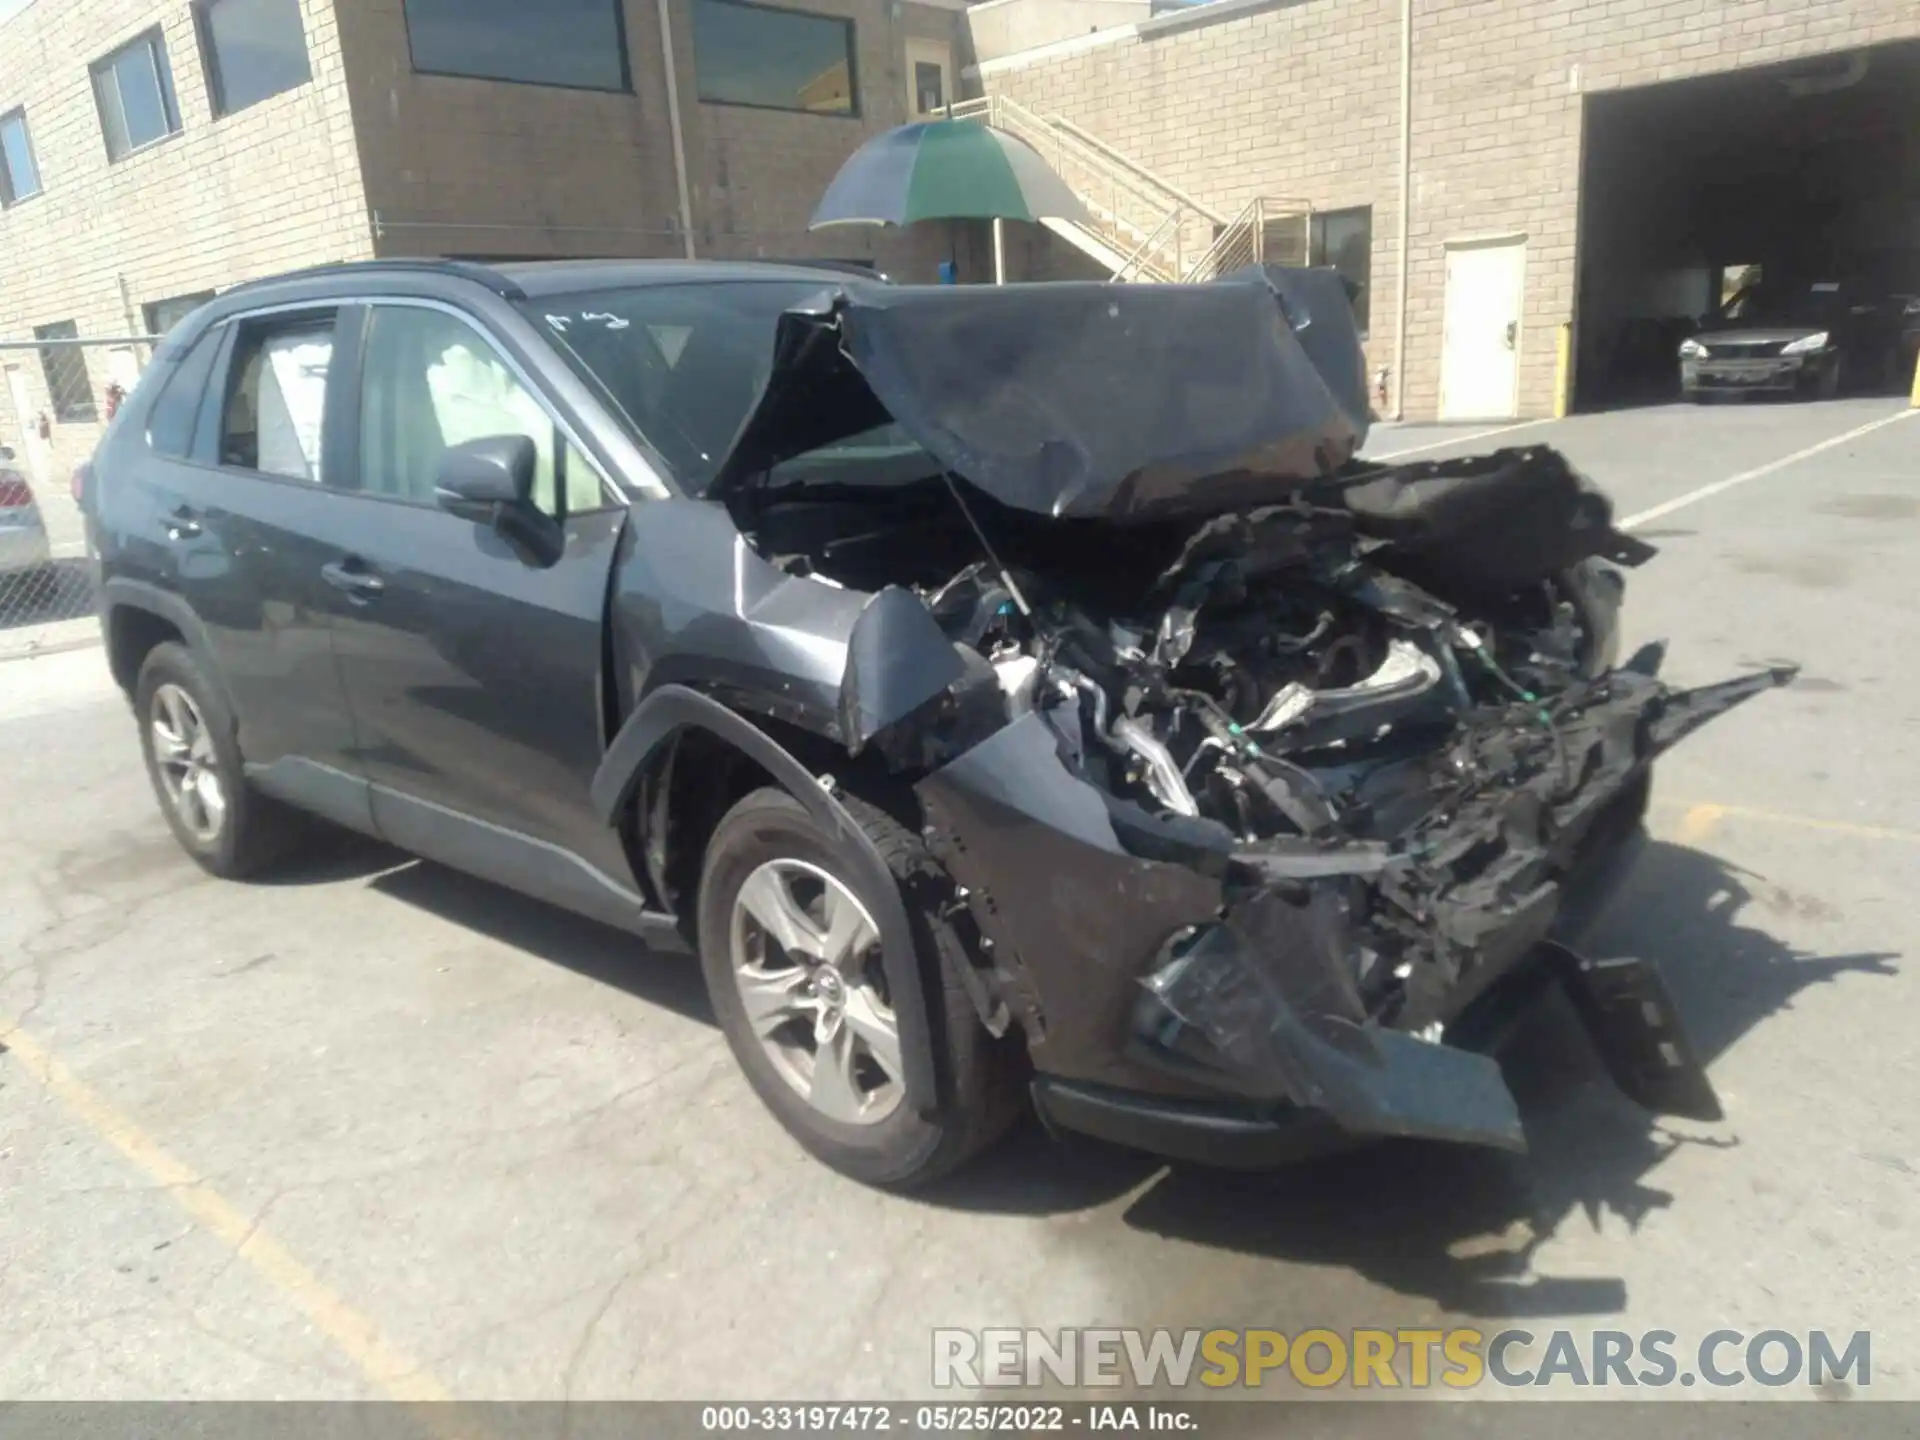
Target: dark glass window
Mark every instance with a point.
(277, 397)
(253, 48)
(683, 363)
(170, 425)
(65, 368)
(1344, 240)
(577, 43)
(430, 381)
(162, 315)
(19, 174)
(774, 59)
(134, 89)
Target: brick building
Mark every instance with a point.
(158, 150)
(1604, 162)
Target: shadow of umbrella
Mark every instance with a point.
(946, 170)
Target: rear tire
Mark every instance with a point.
(769, 840)
(193, 761)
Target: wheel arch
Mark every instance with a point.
(676, 725)
(136, 617)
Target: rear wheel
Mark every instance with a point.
(193, 759)
(792, 954)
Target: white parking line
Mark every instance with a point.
(1758, 472)
(1466, 439)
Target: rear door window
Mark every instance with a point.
(276, 396)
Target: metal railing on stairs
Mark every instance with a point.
(1141, 225)
(1265, 230)
(1137, 221)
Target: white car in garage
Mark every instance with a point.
(24, 550)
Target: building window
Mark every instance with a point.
(162, 315)
(580, 44)
(254, 49)
(1344, 240)
(773, 59)
(134, 88)
(19, 175)
(65, 368)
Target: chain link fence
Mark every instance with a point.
(60, 391)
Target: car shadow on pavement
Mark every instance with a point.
(1457, 1227)
(586, 947)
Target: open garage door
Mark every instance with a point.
(1798, 175)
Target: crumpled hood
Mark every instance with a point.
(1084, 399)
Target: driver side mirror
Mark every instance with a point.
(490, 482)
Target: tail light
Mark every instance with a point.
(82, 480)
(14, 490)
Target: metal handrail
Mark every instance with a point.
(1136, 177)
(1174, 217)
(1247, 229)
(1113, 184)
(1230, 235)
(1127, 163)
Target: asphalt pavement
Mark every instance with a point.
(377, 1129)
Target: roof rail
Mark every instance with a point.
(464, 269)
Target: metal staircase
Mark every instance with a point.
(1142, 227)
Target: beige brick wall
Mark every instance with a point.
(271, 188)
(480, 167)
(1302, 100)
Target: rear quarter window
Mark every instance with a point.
(177, 405)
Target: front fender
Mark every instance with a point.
(672, 709)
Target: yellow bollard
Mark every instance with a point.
(1563, 373)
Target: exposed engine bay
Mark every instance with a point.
(1261, 769)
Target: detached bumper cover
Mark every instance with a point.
(1165, 977)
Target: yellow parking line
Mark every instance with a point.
(394, 1372)
(1700, 819)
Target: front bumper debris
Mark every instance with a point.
(1211, 1000)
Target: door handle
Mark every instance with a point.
(182, 523)
(1513, 332)
(352, 577)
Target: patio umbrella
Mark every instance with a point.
(945, 170)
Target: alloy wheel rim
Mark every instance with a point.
(806, 965)
(183, 756)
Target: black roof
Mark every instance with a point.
(518, 279)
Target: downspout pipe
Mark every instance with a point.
(669, 64)
(1406, 206)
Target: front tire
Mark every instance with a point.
(193, 761)
(791, 953)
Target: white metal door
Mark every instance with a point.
(34, 452)
(929, 78)
(1480, 352)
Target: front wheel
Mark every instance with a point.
(792, 956)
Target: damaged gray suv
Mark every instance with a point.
(1008, 692)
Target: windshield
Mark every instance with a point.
(1785, 304)
(683, 364)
